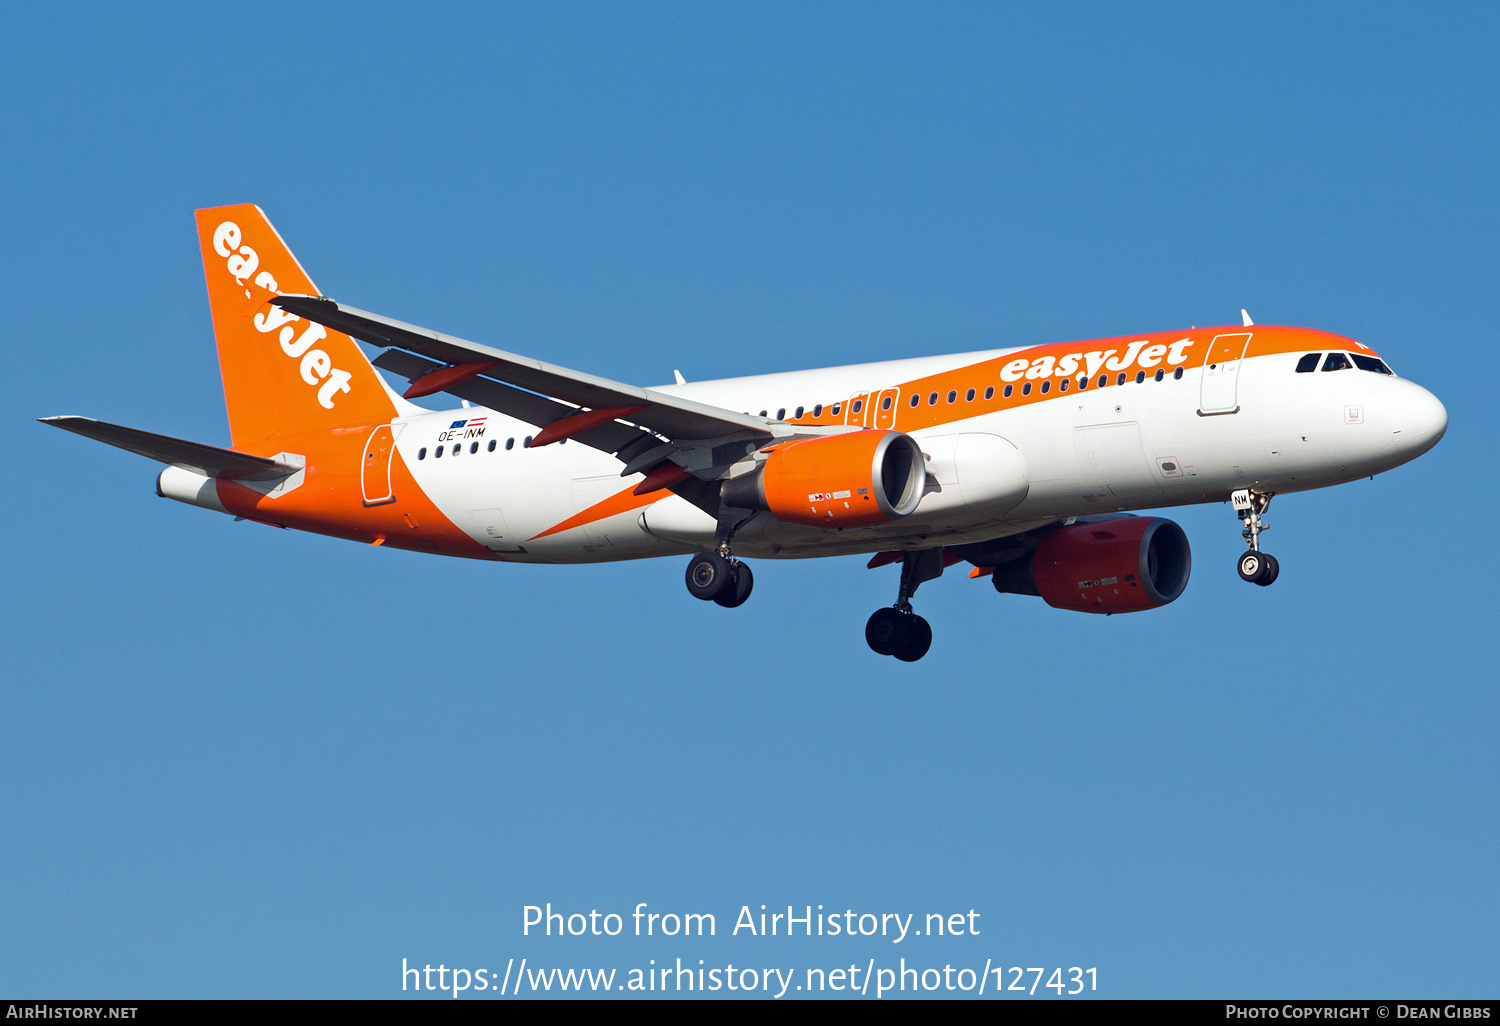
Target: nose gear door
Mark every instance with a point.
(1219, 390)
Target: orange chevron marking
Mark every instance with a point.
(622, 501)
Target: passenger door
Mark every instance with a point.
(375, 467)
(1219, 390)
(885, 408)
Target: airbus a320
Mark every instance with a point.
(1024, 463)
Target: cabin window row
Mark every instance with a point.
(457, 448)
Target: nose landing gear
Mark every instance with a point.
(1255, 566)
(896, 630)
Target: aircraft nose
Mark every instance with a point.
(1418, 420)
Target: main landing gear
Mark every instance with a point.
(897, 631)
(717, 576)
(1255, 566)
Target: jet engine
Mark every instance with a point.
(1110, 566)
(858, 479)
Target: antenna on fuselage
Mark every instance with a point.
(1246, 316)
(678, 375)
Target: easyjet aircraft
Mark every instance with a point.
(1022, 462)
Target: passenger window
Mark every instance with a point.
(858, 405)
(437, 453)
(1046, 387)
(969, 396)
(885, 404)
(1160, 374)
(526, 442)
(1008, 390)
(1140, 376)
(1103, 380)
(989, 393)
(915, 400)
(1083, 383)
(1062, 386)
(473, 448)
(510, 443)
(458, 447)
(1308, 363)
(953, 396)
(798, 414)
(1369, 363)
(1177, 374)
(1121, 379)
(1337, 361)
(491, 447)
(422, 453)
(762, 413)
(932, 399)
(1026, 388)
(817, 410)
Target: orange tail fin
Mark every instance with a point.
(283, 376)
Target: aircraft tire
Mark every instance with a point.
(917, 643)
(887, 631)
(1252, 566)
(744, 580)
(709, 575)
(1271, 572)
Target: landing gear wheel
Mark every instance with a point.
(1272, 570)
(1255, 566)
(889, 631)
(917, 643)
(709, 575)
(744, 580)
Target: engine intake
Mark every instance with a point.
(1111, 566)
(859, 479)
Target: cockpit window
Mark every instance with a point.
(1337, 361)
(1369, 363)
(1308, 363)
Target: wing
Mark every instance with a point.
(209, 460)
(641, 426)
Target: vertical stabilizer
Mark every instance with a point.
(283, 376)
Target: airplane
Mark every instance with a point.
(1023, 462)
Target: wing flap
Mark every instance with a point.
(512, 401)
(209, 460)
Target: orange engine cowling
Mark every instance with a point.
(858, 479)
(1113, 566)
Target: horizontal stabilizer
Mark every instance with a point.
(209, 460)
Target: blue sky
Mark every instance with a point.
(244, 762)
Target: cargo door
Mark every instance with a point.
(375, 470)
(1219, 391)
(1113, 465)
(494, 533)
(885, 408)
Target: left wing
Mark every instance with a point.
(642, 427)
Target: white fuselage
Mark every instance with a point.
(998, 472)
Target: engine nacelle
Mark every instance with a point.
(1111, 566)
(858, 479)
